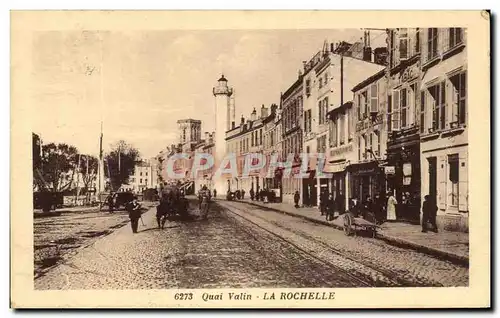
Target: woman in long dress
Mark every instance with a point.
(391, 207)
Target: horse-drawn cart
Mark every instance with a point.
(354, 224)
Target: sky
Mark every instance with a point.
(138, 84)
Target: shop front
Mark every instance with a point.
(338, 181)
(403, 153)
(367, 180)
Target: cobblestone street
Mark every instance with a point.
(241, 246)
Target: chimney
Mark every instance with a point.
(367, 54)
(253, 116)
(206, 136)
(300, 74)
(233, 124)
(304, 64)
(263, 111)
(242, 120)
(380, 55)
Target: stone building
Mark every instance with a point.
(329, 78)
(271, 147)
(291, 123)
(242, 140)
(443, 124)
(403, 146)
(367, 171)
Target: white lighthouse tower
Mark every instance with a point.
(222, 93)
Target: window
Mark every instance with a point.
(439, 110)
(308, 87)
(395, 111)
(320, 82)
(374, 98)
(307, 120)
(365, 144)
(359, 148)
(146, 174)
(260, 141)
(308, 149)
(422, 111)
(389, 113)
(454, 178)
(459, 98)
(349, 123)
(342, 128)
(359, 106)
(432, 42)
(404, 108)
(377, 135)
(417, 40)
(403, 43)
(252, 138)
(140, 180)
(320, 109)
(393, 50)
(146, 181)
(333, 132)
(455, 37)
(323, 109)
(326, 77)
(140, 173)
(364, 104)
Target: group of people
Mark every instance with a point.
(264, 195)
(378, 210)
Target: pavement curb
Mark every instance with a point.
(454, 258)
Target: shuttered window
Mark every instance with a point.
(374, 98)
(395, 111)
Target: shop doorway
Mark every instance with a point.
(432, 177)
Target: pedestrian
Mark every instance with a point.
(429, 211)
(296, 198)
(111, 202)
(322, 203)
(377, 209)
(243, 194)
(162, 212)
(252, 194)
(391, 206)
(330, 207)
(215, 193)
(134, 213)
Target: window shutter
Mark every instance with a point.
(424, 43)
(463, 183)
(442, 177)
(395, 112)
(374, 98)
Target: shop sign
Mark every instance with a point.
(407, 169)
(390, 170)
(340, 150)
(409, 73)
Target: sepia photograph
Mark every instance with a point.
(294, 162)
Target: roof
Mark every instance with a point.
(369, 80)
(222, 79)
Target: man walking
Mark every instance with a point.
(296, 198)
(429, 211)
(134, 213)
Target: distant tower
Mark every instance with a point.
(222, 94)
(189, 131)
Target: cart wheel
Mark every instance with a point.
(347, 224)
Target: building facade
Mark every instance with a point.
(329, 79)
(292, 137)
(367, 171)
(403, 146)
(143, 178)
(443, 124)
(242, 140)
(272, 137)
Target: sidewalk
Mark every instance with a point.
(453, 246)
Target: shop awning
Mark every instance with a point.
(335, 167)
(364, 167)
(434, 74)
